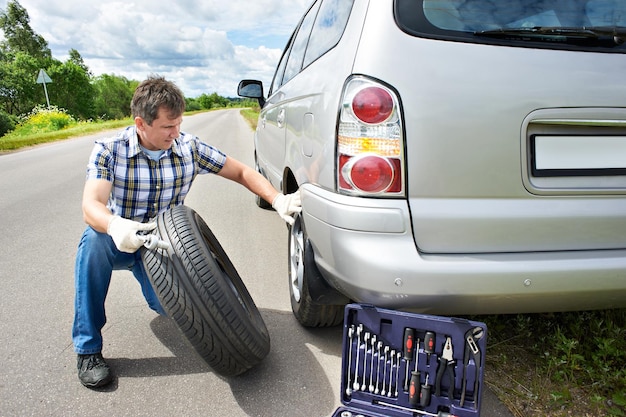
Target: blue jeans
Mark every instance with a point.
(96, 259)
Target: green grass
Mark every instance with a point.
(251, 116)
(559, 364)
(43, 126)
(16, 141)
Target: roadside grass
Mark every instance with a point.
(43, 126)
(556, 364)
(26, 136)
(251, 116)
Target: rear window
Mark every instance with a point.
(591, 25)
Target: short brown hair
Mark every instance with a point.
(152, 94)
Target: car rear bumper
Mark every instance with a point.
(365, 249)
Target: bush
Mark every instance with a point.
(7, 123)
(42, 119)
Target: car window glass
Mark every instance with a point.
(296, 56)
(479, 15)
(278, 76)
(579, 25)
(329, 26)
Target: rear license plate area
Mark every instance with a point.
(577, 155)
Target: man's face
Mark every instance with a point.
(161, 134)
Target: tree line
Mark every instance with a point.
(75, 89)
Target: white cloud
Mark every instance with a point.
(204, 46)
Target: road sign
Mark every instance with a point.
(43, 78)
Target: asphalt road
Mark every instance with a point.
(157, 373)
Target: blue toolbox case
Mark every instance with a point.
(374, 382)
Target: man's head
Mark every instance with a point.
(156, 93)
(157, 107)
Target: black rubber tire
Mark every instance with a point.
(200, 289)
(304, 308)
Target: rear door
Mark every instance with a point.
(271, 133)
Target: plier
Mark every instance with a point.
(471, 349)
(446, 366)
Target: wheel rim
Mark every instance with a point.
(296, 259)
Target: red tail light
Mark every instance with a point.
(370, 145)
(372, 105)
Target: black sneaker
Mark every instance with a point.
(93, 371)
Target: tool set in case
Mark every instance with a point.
(399, 364)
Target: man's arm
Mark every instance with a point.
(98, 216)
(285, 205)
(249, 178)
(95, 197)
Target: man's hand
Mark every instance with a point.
(286, 205)
(124, 233)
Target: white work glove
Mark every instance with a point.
(124, 233)
(286, 205)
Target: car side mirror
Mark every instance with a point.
(251, 89)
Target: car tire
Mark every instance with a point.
(200, 289)
(305, 309)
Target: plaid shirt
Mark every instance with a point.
(143, 188)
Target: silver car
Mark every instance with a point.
(454, 156)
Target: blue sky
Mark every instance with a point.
(204, 46)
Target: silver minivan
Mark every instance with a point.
(454, 156)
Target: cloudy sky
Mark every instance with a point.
(204, 46)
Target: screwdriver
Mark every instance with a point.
(425, 394)
(414, 389)
(429, 345)
(409, 335)
(414, 386)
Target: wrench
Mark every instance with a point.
(356, 385)
(397, 368)
(378, 346)
(372, 365)
(384, 391)
(153, 242)
(393, 355)
(350, 334)
(367, 338)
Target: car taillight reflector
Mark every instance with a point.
(372, 105)
(381, 146)
(370, 140)
(368, 173)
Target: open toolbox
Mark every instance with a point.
(399, 364)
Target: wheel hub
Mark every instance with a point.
(296, 259)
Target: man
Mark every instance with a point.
(131, 178)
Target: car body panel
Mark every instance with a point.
(483, 226)
(387, 270)
(466, 141)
